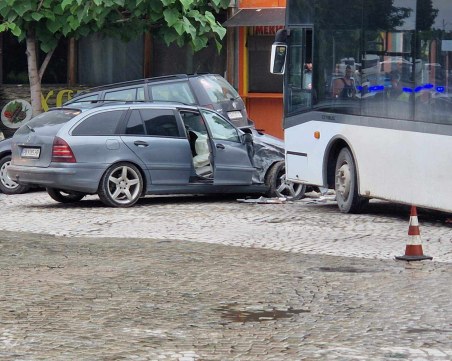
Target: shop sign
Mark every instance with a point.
(266, 30)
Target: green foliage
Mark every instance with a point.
(180, 21)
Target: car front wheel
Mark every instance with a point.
(280, 187)
(7, 185)
(121, 185)
(64, 196)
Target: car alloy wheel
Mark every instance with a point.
(121, 185)
(7, 185)
(279, 185)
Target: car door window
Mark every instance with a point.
(172, 92)
(104, 123)
(126, 95)
(160, 122)
(140, 94)
(220, 128)
(135, 124)
(83, 100)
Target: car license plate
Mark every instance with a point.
(235, 115)
(30, 152)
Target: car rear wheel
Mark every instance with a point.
(64, 196)
(280, 187)
(7, 185)
(121, 185)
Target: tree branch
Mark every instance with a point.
(40, 5)
(43, 67)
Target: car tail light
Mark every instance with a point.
(62, 152)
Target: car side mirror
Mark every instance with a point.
(247, 138)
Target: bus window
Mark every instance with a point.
(300, 88)
(433, 102)
(339, 76)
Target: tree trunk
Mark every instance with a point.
(33, 73)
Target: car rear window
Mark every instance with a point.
(218, 89)
(49, 118)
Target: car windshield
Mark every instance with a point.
(49, 118)
(218, 89)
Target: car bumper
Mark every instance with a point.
(77, 179)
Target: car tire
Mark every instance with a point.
(346, 184)
(280, 187)
(7, 185)
(121, 185)
(62, 196)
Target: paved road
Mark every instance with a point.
(193, 279)
(311, 226)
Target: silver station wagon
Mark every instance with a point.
(125, 151)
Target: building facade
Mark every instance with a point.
(96, 60)
(251, 30)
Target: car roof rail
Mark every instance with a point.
(139, 81)
(131, 82)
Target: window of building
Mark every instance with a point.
(206, 60)
(260, 78)
(15, 67)
(103, 60)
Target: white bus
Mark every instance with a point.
(382, 129)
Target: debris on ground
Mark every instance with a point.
(263, 200)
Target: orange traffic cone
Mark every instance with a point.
(413, 251)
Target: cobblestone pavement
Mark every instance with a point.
(309, 226)
(302, 282)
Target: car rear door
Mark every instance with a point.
(156, 137)
(231, 161)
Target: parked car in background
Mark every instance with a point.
(7, 185)
(208, 90)
(122, 152)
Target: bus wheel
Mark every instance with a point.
(346, 184)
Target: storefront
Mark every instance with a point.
(91, 61)
(251, 31)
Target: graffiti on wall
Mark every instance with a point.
(62, 96)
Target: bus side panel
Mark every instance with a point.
(300, 139)
(402, 166)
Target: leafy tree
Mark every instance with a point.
(42, 23)
(425, 15)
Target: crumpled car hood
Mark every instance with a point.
(266, 151)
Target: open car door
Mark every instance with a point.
(231, 161)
